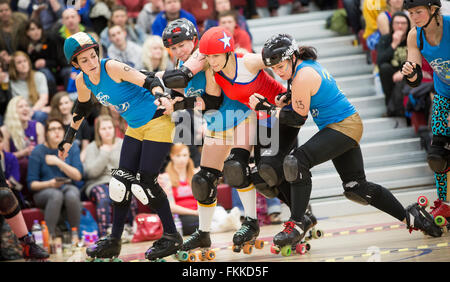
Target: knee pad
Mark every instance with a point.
(271, 170)
(9, 206)
(261, 186)
(236, 171)
(362, 192)
(438, 155)
(147, 190)
(120, 186)
(204, 185)
(294, 167)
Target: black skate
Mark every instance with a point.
(417, 218)
(32, 251)
(313, 233)
(167, 245)
(245, 237)
(107, 249)
(198, 240)
(291, 238)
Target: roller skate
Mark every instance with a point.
(313, 233)
(199, 240)
(31, 251)
(245, 238)
(107, 249)
(417, 218)
(440, 212)
(291, 238)
(167, 245)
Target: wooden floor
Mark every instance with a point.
(368, 237)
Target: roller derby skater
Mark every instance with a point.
(431, 40)
(340, 130)
(10, 210)
(145, 146)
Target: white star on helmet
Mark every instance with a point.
(226, 41)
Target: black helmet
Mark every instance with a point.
(278, 48)
(408, 4)
(178, 31)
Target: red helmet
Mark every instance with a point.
(216, 40)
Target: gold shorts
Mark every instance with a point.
(160, 129)
(228, 135)
(351, 126)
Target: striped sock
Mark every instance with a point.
(205, 216)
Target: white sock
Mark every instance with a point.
(205, 216)
(248, 199)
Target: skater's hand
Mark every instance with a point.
(408, 68)
(62, 154)
(281, 101)
(256, 99)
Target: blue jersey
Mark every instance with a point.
(230, 113)
(134, 103)
(439, 58)
(329, 105)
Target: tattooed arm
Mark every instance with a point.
(304, 85)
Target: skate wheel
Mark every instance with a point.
(422, 201)
(259, 244)
(286, 251)
(191, 257)
(317, 234)
(210, 255)
(440, 221)
(274, 249)
(248, 249)
(300, 249)
(236, 249)
(182, 256)
(117, 260)
(308, 247)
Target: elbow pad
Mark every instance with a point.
(178, 78)
(415, 83)
(290, 118)
(82, 109)
(212, 102)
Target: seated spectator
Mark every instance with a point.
(201, 10)
(41, 51)
(21, 132)
(119, 122)
(222, 6)
(102, 155)
(123, 49)
(11, 26)
(61, 109)
(29, 84)
(155, 56)
(10, 166)
(133, 7)
(371, 10)
(148, 15)
(228, 20)
(53, 181)
(101, 14)
(172, 11)
(46, 12)
(392, 53)
(176, 182)
(384, 19)
(5, 92)
(119, 17)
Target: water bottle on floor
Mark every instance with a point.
(37, 233)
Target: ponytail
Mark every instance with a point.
(307, 53)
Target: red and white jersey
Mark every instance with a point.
(245, 84)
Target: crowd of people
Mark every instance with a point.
(40, 86)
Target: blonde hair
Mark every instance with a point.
(147, 56)
(33, 94)
(170, 170)
(13, 123)
(98, 121)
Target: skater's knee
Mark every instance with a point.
(295, 167)
(262, 187)
(204, 185)
(236, 170)
(120, 186)
(9, 206)
(147, 190)
(362, 192)
(271, 170)
(438, 155)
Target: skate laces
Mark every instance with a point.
(194, 236)
(244, 229)
(288, 226)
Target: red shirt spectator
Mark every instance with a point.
(133, 6)
(228, 20)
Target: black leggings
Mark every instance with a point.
(329, 144)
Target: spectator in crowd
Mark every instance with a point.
(384, 19)
(119, 17)
(392, 53)
(61, 108)
(371, 10)
(41, 50)
(21, 132)
(201, 10)
(10, 166)
(122, 49)
(172, 11)
(53, 181)
(5, 92)
(228, 20)
(222, 6)
(30, 84)
(176, 182)
(354, 14)
(133, 7)
(84, 10)
(11, 26)
(148, 15)
(155, 56)
(102, 155)
(45, 12)
(119, 122)
(100, 14)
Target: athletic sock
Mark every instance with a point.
(248, 199)
(165, 214)
(205, 216)
(119, 217)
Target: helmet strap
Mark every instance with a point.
(422, 31)
(226, 61)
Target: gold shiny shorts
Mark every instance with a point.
(351, 126)
(160, 129)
